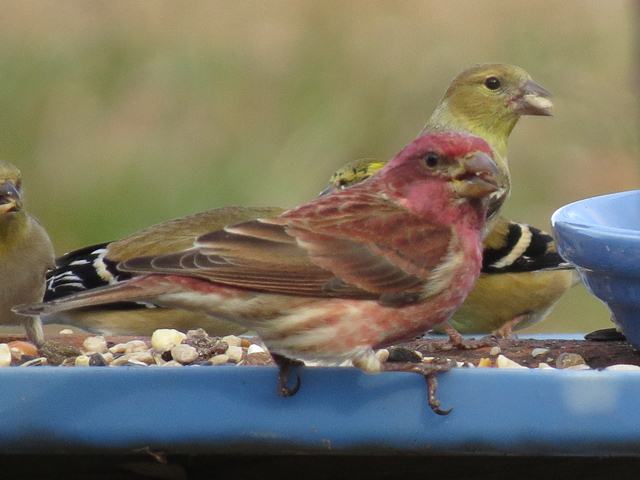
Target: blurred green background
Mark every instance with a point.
(123, 114)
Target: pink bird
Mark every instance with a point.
(337, 277)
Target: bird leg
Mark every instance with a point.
(54, 352)
(429, 372)
(285, 365)
(506, 330)
(33, 329)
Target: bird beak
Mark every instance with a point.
(10, 199)
(533, 100)
(479, 177)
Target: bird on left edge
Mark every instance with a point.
(341, 275)
(26, 253)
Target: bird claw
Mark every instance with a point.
(283, 389)
(506, 330)
(285, 365)
(430, 374)
(429, 371)
(434, 403)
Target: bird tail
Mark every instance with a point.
(135, 290)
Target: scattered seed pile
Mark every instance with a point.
(544, 353)
(172, 348)
(165, 348)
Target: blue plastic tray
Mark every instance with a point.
(337, 410)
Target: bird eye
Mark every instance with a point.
(492, 83)
(431, 159)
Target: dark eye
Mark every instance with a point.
(432, 159)
(492, 83)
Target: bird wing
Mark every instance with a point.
(95, 265)
(180, 233)
(77, 271)
(514, 247)
(325, 249)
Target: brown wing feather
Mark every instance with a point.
(180, 233)
(327, 251)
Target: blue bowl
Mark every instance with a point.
(601, 237)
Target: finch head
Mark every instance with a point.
(438, 166)
(488, 99)
(10, 189)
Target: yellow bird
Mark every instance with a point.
(26, 253)
(522, 279)
(486, 100)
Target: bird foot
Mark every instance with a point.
(285, 365)
(456, 341)
(432, 400)
(506, 330)
(429, 371)
(284, 390)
